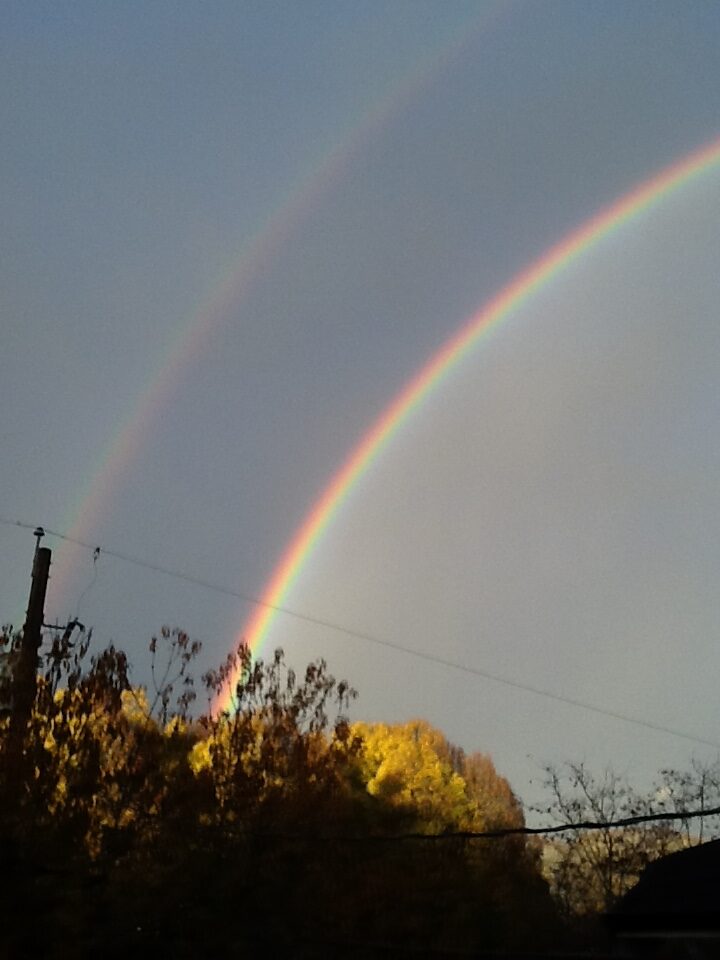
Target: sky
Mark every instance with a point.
(234, 231)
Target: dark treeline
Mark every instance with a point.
(130, 824)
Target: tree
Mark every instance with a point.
(454, 892)
(99, 766)
(285, 741)
(697, 788)
(495, 799)
(588, 870)
(138, 828)
(408, 766)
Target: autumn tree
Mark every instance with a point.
(101, 754)
(455, 891)
(283, 741)
(272, 825)
(589, 870)
(696, 788)
(408, 766)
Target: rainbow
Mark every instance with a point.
(241, 271)
(555, 260)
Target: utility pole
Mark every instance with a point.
(24, 674)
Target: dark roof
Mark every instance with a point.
(680, 891)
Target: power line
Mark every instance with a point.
(584, 825)
(370, 638)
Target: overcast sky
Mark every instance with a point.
(302, 201)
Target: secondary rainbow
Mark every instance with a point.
(501, 306)
(225, 294)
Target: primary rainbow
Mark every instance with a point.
(520, 289)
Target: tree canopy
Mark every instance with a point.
(130, 823)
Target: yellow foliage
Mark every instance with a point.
(408, 765)
(255, 757)
(135, 705)
(200, 758)
(176, 726)
(87, 758)
(412, 766)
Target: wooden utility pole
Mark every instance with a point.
(24, 672)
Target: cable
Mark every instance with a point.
(148, 565)
(88, 588)
(585, 825)
(369, 638)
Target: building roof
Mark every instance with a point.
(679, 892)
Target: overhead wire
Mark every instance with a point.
(369, 638)
(91, 584)
(500, 832)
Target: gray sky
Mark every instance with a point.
(550, 514)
